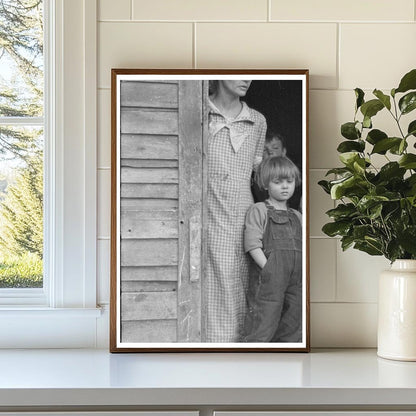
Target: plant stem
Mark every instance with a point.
(397, 118)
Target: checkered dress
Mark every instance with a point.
(235, 148)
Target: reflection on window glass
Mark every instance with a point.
(21, 143)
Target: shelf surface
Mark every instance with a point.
(96, 377)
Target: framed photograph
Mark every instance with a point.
(209, 214)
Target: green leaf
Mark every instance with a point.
(338, 171)
(349, 131)
(407, 240)
(348, 158)
(375, 212)
(367, 122)
(350, 187)
(354, 161)
(383, 145)
(408, 161)
(338, 188)
(411, 130)
(369, 201)
(325, 186)
(369, 247)
(391, 170)
(408, 102)
(349, 146)
(375, 136)
(371, 108)
(398, 149)
(359, 165)
(393, 250)
(346, 242)
(408, 82)
(385, 99)
(402, 147)
(342, 211)
(359, 95)
(361, 231)
(411, 180)
(336, 228)
(391, 212)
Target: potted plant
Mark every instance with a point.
(376, 207)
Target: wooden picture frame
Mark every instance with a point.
(166, 294)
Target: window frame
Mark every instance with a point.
(70, 167)
(34, 296)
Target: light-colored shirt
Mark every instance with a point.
(255, 226)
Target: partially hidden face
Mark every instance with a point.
(236, 87)
(274, 148)
(281, 189)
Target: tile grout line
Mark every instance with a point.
(306, 22)
(338, 66)
(131, 10)
(336, 271)
(310, 89)
(194, 63)
(269, 10)
(344, 302)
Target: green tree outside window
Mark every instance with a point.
(21, 143)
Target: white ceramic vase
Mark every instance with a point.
(397, 312)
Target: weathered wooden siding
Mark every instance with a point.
(149, 193)
(161, 211)
(190, 211)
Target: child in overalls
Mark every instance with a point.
(273, 238)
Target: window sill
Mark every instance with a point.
(39, 327)
(36, 312)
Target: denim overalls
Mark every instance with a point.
(275, 292)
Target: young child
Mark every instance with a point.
(274, 145)
(273, 238)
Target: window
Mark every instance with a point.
(22, 130)
(63, 312)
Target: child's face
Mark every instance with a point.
(235, 87)
(282, 189)
(274, 148)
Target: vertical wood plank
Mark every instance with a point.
(195, 242)
(190, 206)
(205, 137)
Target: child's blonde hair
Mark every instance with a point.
(276, 167)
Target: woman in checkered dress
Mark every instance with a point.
(235, 148)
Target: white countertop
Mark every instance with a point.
(96, 377)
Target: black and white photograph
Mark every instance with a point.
(209, 210)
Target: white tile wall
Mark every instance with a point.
(376, 55)
(104, 128)
(103, 271)
(345, 44)
(323, 269)
(270, 45)
(114, 10)
(341, 10)
(142, 45)
(328, 109)
(357, 275)
(104, 202)
(200, 10)
(344, 325)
